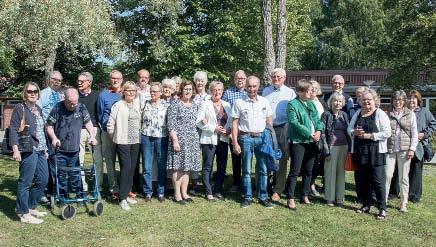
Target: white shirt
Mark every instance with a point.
(252, 114)
(278, 99)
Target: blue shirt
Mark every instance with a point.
(232, 94)
(104, 105)
(48, 98)
(278, 99)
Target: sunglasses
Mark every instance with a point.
(32, 91)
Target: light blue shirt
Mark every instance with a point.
(278, 98)
(47, 100)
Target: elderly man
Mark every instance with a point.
(250, 115)
(63, 126)
(104, 105)
(88, 97)
(143, 77)
(278, 96)
(48, 98)
(338, 84)
(230, 96)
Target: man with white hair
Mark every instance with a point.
(63, 126)
(278, 95)
(338, 83)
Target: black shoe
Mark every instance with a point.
(180, 202)
(266, 203)
(363, 209)
(219, 196)
(189, 199)
(147, 198)
(245, 203)
(381, 214)
(161, 198)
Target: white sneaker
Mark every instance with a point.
(29, 219)
(124, 205)
(131, 201)
(37, 213)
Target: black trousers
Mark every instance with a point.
(302, 158)
(236, 167)
(127, 155)
(415, 180)
(209, 151)
(371, 178)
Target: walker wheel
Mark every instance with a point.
(98, 208)
(68, 212)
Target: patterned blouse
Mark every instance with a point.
(134, 126)
(154, 119)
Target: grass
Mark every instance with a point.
(223, 223)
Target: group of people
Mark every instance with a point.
(179, 127)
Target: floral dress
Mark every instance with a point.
(182, 120)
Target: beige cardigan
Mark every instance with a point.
(118, 124)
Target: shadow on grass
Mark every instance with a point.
(7, 204)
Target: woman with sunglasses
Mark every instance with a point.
(27, 117)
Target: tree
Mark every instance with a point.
(269, 60)
(36, 31)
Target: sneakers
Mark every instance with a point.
(330, 203)
(161, 198)
(245, 203)
(131, 201)
(44, 200)
(275, 197)
(37, 213)
(29, 219)
(125, 205)
(403, 208)
(147, 198)
(266, 203)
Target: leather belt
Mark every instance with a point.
(279, 126)
(251, 134)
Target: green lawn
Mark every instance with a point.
(223, 223)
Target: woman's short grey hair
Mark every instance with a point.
(374, 96)
(156, 83)
(361, 89)
(303, 85)
(171, 83)
(215, 84)
(335, 96)
(200, 75)
(399, 95)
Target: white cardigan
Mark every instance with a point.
(118, 124)
(207, 110)
(384, 129)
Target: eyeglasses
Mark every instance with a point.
(32, 91)
(116, 78)
(241, 78)
(82, 81)
(187, 89)
(130, 91)
(276, 76)
(55, 79)
(155, 91)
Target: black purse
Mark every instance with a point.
(428, 152)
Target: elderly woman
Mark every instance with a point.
(401, 145)
(124, 127)
(337, 143)
(168, 90)
(318, 165)
(214, 120)
(27, 119)
(305, 130)
(426, 126)
(200, 80)
(370, 129)
(154, 142)
(178, 81)
(184, 146)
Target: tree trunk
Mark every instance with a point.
(49, 64)
(281, 35)
(268, 46)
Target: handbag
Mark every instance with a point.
(428, 152)
(349, 164)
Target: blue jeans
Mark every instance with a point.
(250, 145)
(68, 159)
(209, 151)
(154, 148)
(33, 167)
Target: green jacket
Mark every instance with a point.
(299, 120)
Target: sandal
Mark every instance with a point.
(363, 209)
